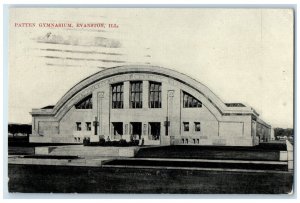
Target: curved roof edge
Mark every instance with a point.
(187, 80)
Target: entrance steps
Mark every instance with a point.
(198, 163)
(85, 151)
(263, 158)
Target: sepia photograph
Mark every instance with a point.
(185, 100)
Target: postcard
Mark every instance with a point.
(151, 100)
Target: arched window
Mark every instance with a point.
(190, 102)
(86, 103)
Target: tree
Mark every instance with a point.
(282, 132)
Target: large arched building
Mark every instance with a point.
(159, 105)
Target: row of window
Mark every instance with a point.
(186, 126)
(186, 141)
(88, 126)
(136, 97)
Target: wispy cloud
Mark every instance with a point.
(51, 38)
(62, 65)
(82, 52)
(67, 65)
(105, 42)
(83, 59)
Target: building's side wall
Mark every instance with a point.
(46, 129)
(68, 123)
(263, 132)
(236, 130)
(208, 125)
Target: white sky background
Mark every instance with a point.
(242, 55)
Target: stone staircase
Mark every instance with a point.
(86, 151)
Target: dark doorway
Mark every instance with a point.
(136, 130)
(117, 129)
(154, 130)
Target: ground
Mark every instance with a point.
(69, 179)
(206, 172)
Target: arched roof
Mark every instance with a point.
(169, 73)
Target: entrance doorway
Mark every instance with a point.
(154, 131)
(136, 130)
(117, 130)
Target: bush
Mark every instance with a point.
(114, 143)
(101, 142)
(134, 143)
(123, 142)
(108, 143)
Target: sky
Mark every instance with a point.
(242, 55)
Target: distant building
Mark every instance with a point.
(159, 105)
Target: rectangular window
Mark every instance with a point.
(197, 127)
(88, 126)
(78, 126)
(154, 95)
(117, 96)
(136, 95)
(190, 102)
(186, 126)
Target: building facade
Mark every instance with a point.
(159, 105)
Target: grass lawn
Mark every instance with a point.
(264, 151)
(70, 179)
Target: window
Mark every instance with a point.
(186, 126)
(117, 96)
(136, 95)
(190, 102)
(86, 103)
(155, 95)
(78, 126)
(88, 126)
(197, 127)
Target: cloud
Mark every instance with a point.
(82, 52)
(51, 38)
(105, 42)
(57, 39)
(84, 59)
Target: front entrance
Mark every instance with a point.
(136, 130)
(117, 130)
(154, 130)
